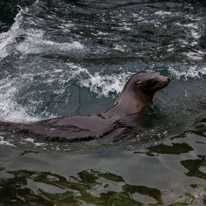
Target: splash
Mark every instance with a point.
(9, 38)
(98, 82)
(9, 109)
(105, 85)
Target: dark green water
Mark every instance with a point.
(67, 57)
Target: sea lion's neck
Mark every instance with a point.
(129, 105)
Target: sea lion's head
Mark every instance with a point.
(146, 83)
(137, 93)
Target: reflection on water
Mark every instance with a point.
(95, 187)
(194, 167)
(169, 172)
(90, 187)
(176, 148)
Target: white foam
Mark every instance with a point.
(189, 72)
(103, 85)
(8, 38)
(193, 29)
(18, 113)
(198, 55)
(36, 43)
(77, 70)
(190, 25)
(3, 142)
(135, 15)
(123, 28)
(193, 18)
(163, 13)
(9, 109)
(66, 27)
(98, 83)
(119, 48)
(170, 48)
(195, 34)
(183, 42)
(37, 144)
(138, 17)
(29, 140)
(194, 43)
(101, 34)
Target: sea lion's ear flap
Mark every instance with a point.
(138, 82)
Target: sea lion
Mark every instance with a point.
(114, 122)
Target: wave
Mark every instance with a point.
(30, 40)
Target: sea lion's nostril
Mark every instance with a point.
(168, 79)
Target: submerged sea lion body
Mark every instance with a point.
(115, 122)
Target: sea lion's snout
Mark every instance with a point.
(168, 80)
(165, 80)
(162, 82)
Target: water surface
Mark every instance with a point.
(67, 57)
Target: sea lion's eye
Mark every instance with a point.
(138, 82)
(152, 82)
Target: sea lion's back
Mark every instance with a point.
(85, 122)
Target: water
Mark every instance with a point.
(67, 57)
